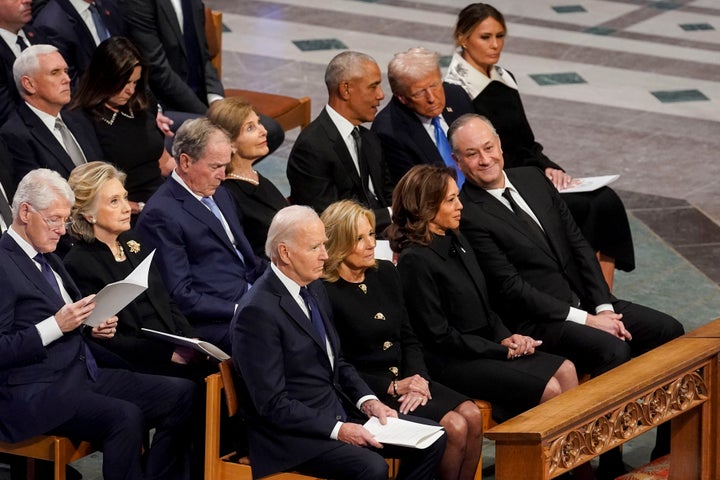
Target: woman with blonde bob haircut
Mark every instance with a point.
(370, 316)
(107, 251)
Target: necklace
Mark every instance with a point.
(120, 256)
(129, 115)
(247, 179)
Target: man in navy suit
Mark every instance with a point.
(15, 35)
(335, 158)
(304, 398)
(413, 126)
(37, 133)
(77, 27)
(203, 255)
(49, 380)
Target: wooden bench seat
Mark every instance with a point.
(56, 449)
(676, 382)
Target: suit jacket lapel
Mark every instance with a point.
(372, 158)
(165, 9)
(28, 267)
(493, 207)
(45, 138)
(340, 148)
(227, 207)
(293, 310)
(535, 201)
(87, 42)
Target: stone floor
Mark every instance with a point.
(610, 86)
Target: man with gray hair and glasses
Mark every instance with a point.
(50, 382)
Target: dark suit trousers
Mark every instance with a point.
(594, 351)
(117, 411)
(347, 462)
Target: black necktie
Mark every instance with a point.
(363, 167)
(315, 316)
(532, 226)
(20, 41)
(47, 272)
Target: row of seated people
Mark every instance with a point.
(298, 380)
(193, 244)
(125, 96)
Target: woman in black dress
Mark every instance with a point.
(467, 346)
(113, 93)
(480, 36)
(106, 251)
(257, 199)
(377, 338)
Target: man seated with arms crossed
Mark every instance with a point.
(205, 259)
(306, 397)
(50, 382)
(540, 268)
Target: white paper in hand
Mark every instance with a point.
(403, 432)
(115, 296)
(590, 184)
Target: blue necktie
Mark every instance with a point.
(102, 32)
(47, 272)
(443, 147)
(210, 203)
(315, 316)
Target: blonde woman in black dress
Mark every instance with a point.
(376, 336)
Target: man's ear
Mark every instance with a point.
(344, 91)
(402, 99)
(28, 84)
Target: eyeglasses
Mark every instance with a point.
(54, 223)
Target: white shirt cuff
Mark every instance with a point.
(365, 399)
(604, 307)
(576, 315)
(336, 431)
(49, 330)
(213, 97)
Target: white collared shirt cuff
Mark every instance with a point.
(603, 307)
(213, 97)
(336, 431)
(49, 330)
(576, 315)
(365, 399)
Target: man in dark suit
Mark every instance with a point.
(334, 158)
(304, 396)
(49, 380)
(15, 36)
(413, 126)
(544, 276)
(202, 253)
(76, 28)
(7, 189)
(171, 37)
(37, 134)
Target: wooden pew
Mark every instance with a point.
(676, 382)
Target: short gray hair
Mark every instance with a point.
(285, 224)
(463, 120)
(193, 136)
(407, 67)
(40, 188)
(345, 66)
(28, 63)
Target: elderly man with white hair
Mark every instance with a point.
(307, 401)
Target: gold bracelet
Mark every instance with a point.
(395, 392)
